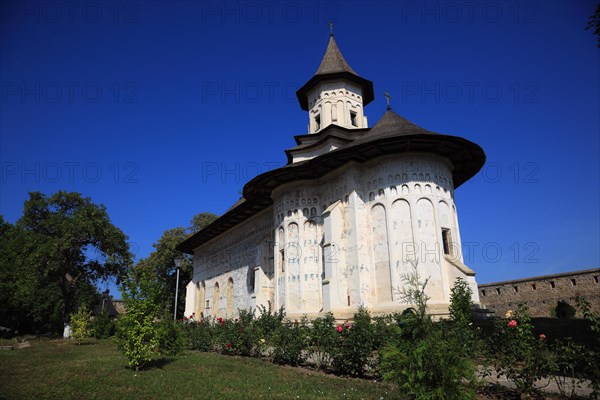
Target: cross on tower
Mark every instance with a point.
(387, 98)
(331, 29)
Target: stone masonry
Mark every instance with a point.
(541, 293)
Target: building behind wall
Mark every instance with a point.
(541, 294)
(351, 213)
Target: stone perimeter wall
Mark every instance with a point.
(541, 293)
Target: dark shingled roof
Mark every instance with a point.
(392, 123)
(334, 67)
(333, 60)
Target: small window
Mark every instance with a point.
(483, 293)
(207, 304)
(596, 278)
(552, 285)
(498, 290)
(573, 282)
(353, 118)
(533, 287)
(516, 289)
(282, 260)
(446, 240)
(317, 122)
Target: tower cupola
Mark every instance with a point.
(335, 94)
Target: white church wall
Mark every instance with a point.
(232, 271)
(339, 242)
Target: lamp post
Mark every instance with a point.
(178, 264)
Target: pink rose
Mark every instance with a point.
(339, 328)
(512, 323)
(542, 336)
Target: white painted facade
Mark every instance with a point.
(340, 241)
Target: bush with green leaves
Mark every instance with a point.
(323, 339)
(81, 325)
(200, 335)
(429, 367)
(568, 360)
(268, 321)
(103, 326)
(289, 341)
(461, 317)
(137, 335)
(354, 345)
(516, 353)
(461, 302)
(171, 337)
(564, 310)
(592, 355)
(239, 336)
(427, 361)
(386, 330)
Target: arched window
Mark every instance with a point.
(216, 300)
(229, 297)
(200, 300)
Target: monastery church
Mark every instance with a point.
(354, 210)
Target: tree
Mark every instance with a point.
(137, 336)
(594, 23)
(161, 263)
(201, 221)
(53, 256)
(461, 303)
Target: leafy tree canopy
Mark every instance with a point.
(52, 257)
(201, 221)
(594, 23)
(161, 263)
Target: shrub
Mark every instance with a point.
(239, 336)
(429, 367)
(81, 325)
(289, 342)
(323, 339)
(268, 322)
(200, 335)
(568, 360)
(103, 326)
(354, 345)
(386, 330)
(592, 366)
(564, 310)
(517, 353)
(461, 303)
(136, 334)
(170, 336)
(461, 316)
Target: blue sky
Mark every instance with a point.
(160, 110)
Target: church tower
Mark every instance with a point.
(335, 95)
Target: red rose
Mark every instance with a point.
(339, 328)
(542, 336)
(228, 345)
(512, 323)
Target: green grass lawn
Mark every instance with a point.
(62, 370)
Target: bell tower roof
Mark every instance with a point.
(334, 67)
(333, 60)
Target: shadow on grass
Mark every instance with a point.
(157, 363)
